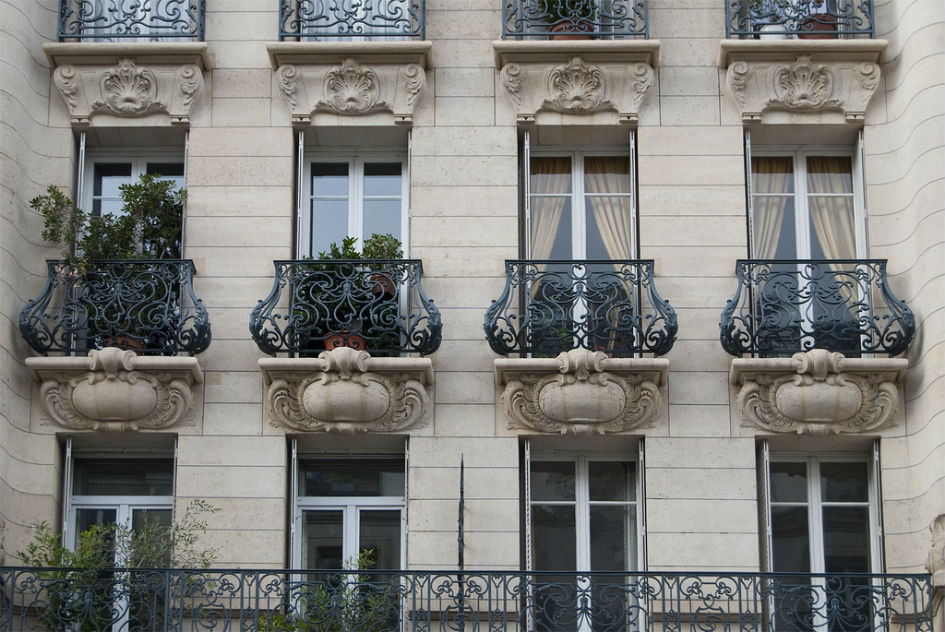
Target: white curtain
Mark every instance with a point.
(771, 183)
(611, 176)
(832, 217)
(549, 176)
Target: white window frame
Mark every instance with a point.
(578, 195)
(137, 158)
(356, 160)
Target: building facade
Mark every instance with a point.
(713, 161)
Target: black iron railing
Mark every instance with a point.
(574, 19)
(351, 19)
(373, 304)
(550, 306)
(374, 601)
(804, 19)
(105, 20)
(782, 307)
(147, 305)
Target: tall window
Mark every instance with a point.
(354, 195)
(105, 172)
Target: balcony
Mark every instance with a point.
(131, 600)
(548, 307)
(144, 305)
(148, 20)
(574, 19)
(314, 20)
(844, 306)
(798, 19)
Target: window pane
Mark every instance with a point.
(829, 174)
(790, 541)
(351, 478)
(330, 179)
(123, 478)
(382, 217)
(380, 533)
(329, 224)
(611, 529)
(86, 518)
(772, 175)
(550, 175)
(382, 178)
(167, 170)
(788, 482)
(322, 539)
(846, 540)
(611, 480)
(607, 174)
(107, 177)
(833, 227)
(155, 524)
(609, 227)
(553, 538)
(844, 482)
(552, 480)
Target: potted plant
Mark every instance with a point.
(140, 313)
(778, 19)
(568, 19)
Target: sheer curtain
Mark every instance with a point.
(771, 184)
(611, 176)
(832, 216)
(549, 176)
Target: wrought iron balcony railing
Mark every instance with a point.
(147, 305)
(132, 600)
(107, 20)
(804, 19)
(844, 305)
(311, 20)
(373, 304)
(574, 19)
(551, 306)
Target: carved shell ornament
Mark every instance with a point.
(352, 89)
(128, 90)
(804, 86)
(575, 87)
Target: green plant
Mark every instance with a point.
(382, 246)
(568, 11)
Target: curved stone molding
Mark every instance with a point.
(798, 78)
(116, 390)
(142, 83)
(350, 80)
(348, 391)
(818, 392)
(581, 392)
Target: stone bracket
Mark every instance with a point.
(576, 78)
(157, 83)
(818, 392)
(350, 80)
(347, 391)
(581, 392)
(116, 390)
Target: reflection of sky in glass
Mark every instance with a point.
(553, 480)
(107, 180)
(329, 205)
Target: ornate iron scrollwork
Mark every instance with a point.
(131, 19)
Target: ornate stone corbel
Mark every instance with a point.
(818, 392)
(347, 391)
(116, 390)
(581, 392)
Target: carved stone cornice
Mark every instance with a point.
(581, 392)
(146, 84)
(576, 77)
(350, 79)
(818, 392)
(798, 78)
(347, 391)
(116, 390)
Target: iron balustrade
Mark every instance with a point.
(105, 20)
(845, 305)
(788, 19)
(373, 304)
(351, 19)
(147, 305)
(574, 19)
(186, 600)
(550, 306)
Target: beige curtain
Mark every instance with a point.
(611, 176)
(549, 176)
(832, 218)
(770, 176)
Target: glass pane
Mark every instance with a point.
(153, 524)
(553, 538)
(607, 174)
(382, 217)
(167, 170)
(846, 540)
(608, 227)
(382, 178)
(107, 177)
(551, 228)
(330, 179)
(790, 541)
(123, 478)
(329, 224)
(552, 480)
(86, 518)
(323, 539)
(611, 480)
(550, 175)
(788, 482)
(611, 530)
(833, 227)
(380, 534)
(772, 175)
(351, 478)
(844, 482)
(829, 174)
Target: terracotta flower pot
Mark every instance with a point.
(822, 26)
(572, 30)
(345, 339)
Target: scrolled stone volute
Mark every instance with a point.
(116, 390)
(818, 392)
(347, 391)
(581, 392)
